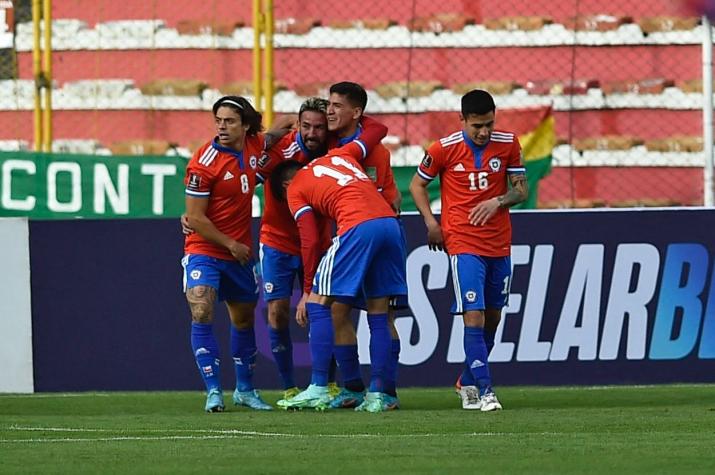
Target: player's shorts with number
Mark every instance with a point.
(232, 280)
(279, 271)
(368, 258)
(479, 282)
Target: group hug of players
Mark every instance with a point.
(331, 218)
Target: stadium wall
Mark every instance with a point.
(598, 297)
(15, 314)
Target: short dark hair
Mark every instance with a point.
(314, 104)
(282, 172)
(477, 102)
(248, 114)
(356, 94)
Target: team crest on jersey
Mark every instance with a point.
(471, 296)
(495, 164)
(194, 182)
(427, 160)
(253, 161)
(268, 286)
(263, 161)
(195, 274)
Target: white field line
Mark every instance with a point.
(203, 434)
(426, 389)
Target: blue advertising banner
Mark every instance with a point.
(597, 297)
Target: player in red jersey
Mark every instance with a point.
(367, 256)
(218, 262)
(347, 103)
(279, 240)
(475, 166)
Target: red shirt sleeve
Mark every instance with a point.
(431, 164)
(310, 247)
(199, 178)
(372, 134)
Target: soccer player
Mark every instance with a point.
(475, 166)
(367, 255)
(279, 240)
(218, 262)
(347, 103)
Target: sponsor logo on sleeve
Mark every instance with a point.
(194, 182)
(427, 160)
(263, 161)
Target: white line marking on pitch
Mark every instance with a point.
(220, 434)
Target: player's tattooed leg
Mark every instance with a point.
(201, 302)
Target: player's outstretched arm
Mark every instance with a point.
(420, 195)
(282, 126)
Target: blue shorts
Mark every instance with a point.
(480, 282)
(279, 270)
(367, 260)
(232, 280)
(398, 302)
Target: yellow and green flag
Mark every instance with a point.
(535, 127)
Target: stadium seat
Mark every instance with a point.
(690, 85)
(602, 22)
(207, 27)
(140, 147)
(555, 87)
(408, 89)
(607, 142)
(245, 88)
(440, 23)
(295, 26)
(498, 88)
(643, 86)
(667, 23)
(310, 89)
(365, 23)
(517, 23)
(679, 143)
(174, 87)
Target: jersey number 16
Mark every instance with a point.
(478, 181)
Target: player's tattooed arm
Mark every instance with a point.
(201, 302)
(518, 192)
(281, 127)
(484, 210)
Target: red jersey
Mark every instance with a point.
(278, 229)
(470, 174)
(377, 166)
(227, 179)
(336, 187)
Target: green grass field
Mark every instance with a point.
(654, 429)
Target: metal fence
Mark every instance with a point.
(622, 79)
